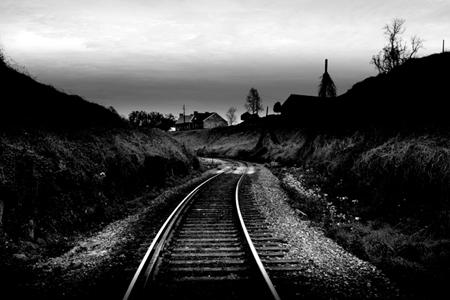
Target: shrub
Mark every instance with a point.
(406, 176)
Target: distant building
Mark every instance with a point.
(199, 121)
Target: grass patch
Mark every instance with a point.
(414, 255)
(418, 263)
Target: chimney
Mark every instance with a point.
(326, 65)
(181, 115)
(195, 112)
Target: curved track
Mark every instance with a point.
(204, 249)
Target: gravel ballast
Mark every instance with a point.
(330, 272)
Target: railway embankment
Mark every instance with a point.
(102, 263)
(383, 197)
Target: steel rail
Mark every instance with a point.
(256, 257)
(157, 239)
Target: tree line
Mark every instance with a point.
(142, 119)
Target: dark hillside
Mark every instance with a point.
(410, 97)
(24, 102)
(413, 97)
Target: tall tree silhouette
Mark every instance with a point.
(253, 102)
(327, 89)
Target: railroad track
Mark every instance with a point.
(212, 246)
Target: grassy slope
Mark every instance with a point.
(402, 210)
(56, 183)
(418, 164)
(226, 141)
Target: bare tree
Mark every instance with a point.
(396, 52)
(253, 102)
(231, 115)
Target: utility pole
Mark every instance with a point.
(184, 114)
(267, 110)
(443, 46)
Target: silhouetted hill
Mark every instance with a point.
(414, 95)
(25, 102)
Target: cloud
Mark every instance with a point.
(155, 46)
(37, 43)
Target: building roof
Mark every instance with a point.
(212, 114)
(195, 117)
(200, 117)
(186, 119)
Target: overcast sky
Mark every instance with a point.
(158, 55)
